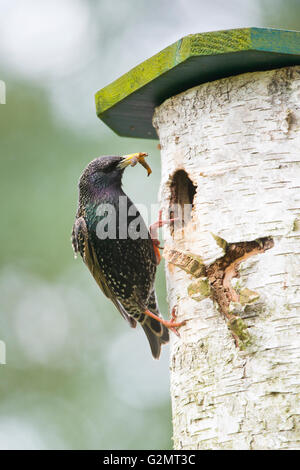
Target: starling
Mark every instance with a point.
(122, 263)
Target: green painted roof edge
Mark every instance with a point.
(211, 43)
(275, 40)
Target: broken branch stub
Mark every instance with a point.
(216, 279)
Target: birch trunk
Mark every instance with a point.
(235, 370)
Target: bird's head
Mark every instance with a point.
(108, 170)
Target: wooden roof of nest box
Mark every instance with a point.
(127, 104)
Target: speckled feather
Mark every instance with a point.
(123, 268)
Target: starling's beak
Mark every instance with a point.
(135, 158)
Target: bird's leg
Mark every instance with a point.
(174, 318)
(153, 229)
(171, 324)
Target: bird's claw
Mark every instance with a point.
(159, 223)
(174, 322)
(171, 324)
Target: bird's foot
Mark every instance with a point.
(153, 229)
(174, 322)
(171, 324)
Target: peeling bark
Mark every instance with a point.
(234, 269)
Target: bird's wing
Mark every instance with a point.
(81, 244)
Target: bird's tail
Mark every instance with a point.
(156, 332)
(157, 335)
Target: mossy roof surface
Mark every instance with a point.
(127, 104)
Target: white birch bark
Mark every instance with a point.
(239, 141)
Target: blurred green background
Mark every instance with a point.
(76, 376)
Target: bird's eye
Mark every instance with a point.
(110, 167)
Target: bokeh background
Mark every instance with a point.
(76, 376)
